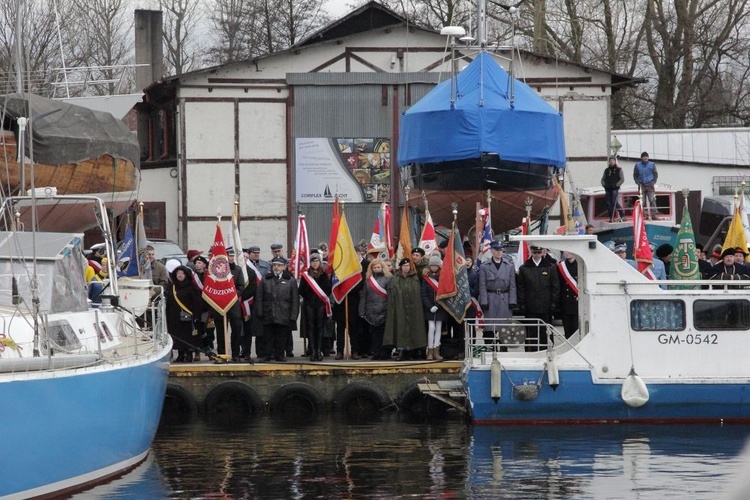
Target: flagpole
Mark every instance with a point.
(227, 345)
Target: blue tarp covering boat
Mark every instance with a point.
(482, 120)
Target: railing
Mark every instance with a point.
(520, 336)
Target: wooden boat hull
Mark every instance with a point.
(103, 174)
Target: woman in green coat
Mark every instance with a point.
(404, 324)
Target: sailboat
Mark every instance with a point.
(82, 384)
(75, 151)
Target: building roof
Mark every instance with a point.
(374, 16)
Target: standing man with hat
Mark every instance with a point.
(538, 296)
(263, 266)
(728, 269)
(645, 175)
(277, 304)
(277, 250)
(497, 287)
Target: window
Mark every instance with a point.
(721, 314)
(660, 315)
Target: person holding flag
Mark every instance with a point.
(433, 311)
(314, 289)
(567, 270)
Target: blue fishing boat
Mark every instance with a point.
(641, 353)
(82, 384)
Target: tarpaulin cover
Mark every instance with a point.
(66, 133)
(482, 121)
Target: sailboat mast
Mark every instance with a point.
(481, 23)
(19, 47)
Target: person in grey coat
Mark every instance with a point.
(497, 287)
(373, 305)
(277, 301)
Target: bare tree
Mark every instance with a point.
(232, 21)
(104, 32)
(181, 23)
(297, 19)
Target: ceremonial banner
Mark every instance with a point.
(428, 240)
(334, 235)
(641, 248)
(453, 288)
(218, 288)
(127, 264)
(684, 259)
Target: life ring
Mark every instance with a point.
(361, 399)
(414, 403)
(179, 401)
(296, 399)
(234, 397)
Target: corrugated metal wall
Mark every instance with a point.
(349, 105)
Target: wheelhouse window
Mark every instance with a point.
(658, 315)
(721, 314)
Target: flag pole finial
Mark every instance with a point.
(218, 214)
(685, 193)
(454, 206)
(424, 199)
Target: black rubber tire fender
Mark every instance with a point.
(299, 393)
(235, 393)
(362, 397)
(180, 400)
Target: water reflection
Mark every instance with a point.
(392, 457)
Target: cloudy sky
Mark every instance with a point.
(341, 7)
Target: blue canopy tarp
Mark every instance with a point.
(482, 121)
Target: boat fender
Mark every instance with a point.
(526, 392)
(361, 398)
(496, 373)
(177, 399)
(553, 376)
(233, 396)
(296, 396)
(634, 391)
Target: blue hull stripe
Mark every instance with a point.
(578, 399)
(60, 428)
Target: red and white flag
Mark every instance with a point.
(301, 253)
(641, 247)
(484, 249)
(234, 242)
(428, 240)
(523, 247)
(218, 288)
(381, 241)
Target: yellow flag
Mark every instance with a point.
(404, 238)
(347, 269)
(736, 233)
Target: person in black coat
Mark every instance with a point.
(435, 314)
(538, 289)
(612, 179)
(277, 303)
(247, 300)
(183, 309)
(315, 305)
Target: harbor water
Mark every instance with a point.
(392, 456)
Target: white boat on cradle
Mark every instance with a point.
(641, 354)
(82, 387)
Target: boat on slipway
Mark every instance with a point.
(482, 130)
(82, 384)
(641, 354)
(76, 151)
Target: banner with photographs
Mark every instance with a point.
(359, 170)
